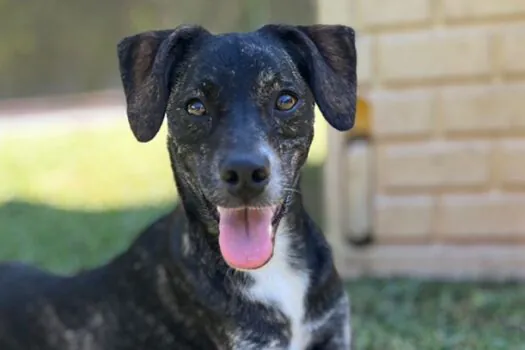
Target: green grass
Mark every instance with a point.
(417, 315)
(89, 169)
(71, 201)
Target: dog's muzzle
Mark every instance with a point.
(246, 232)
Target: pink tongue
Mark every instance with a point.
(245, 237)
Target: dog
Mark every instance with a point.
(239, 263)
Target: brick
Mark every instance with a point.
(487, 215)
(365, 59)
(513, 50)
(434, 56)
(405, 114)
(378, 13)
(424, 166)
(486, 109)
(482, 9)
(400, 216)
(511, 157)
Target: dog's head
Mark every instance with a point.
(240, 114)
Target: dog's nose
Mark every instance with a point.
(246, 176)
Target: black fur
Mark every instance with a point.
(172, 289)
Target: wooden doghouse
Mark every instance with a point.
(431, 182)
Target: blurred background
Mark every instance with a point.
(424, 201)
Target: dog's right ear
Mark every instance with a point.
(146, 61)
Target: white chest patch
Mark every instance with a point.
(280, 285)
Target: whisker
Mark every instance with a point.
(292, 190)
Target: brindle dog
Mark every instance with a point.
(239, 264)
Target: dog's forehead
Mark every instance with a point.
(235, 46)
(247, 54)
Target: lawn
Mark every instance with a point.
(70, 201)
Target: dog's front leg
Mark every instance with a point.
(339, 336)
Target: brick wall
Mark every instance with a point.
(446, 82)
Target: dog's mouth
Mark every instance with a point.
(246, 235)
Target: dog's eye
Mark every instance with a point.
(285, 102)
(195, 107)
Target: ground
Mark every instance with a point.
(71, 200)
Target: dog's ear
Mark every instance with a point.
(146, 61)
(326, 56)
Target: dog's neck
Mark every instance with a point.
(191, 252)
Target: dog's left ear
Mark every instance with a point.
(326, 56)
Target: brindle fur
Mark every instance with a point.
(171, 289)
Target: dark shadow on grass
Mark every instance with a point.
(66, 240)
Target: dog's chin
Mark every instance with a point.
(247, 235)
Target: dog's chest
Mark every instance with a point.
(282, 287)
